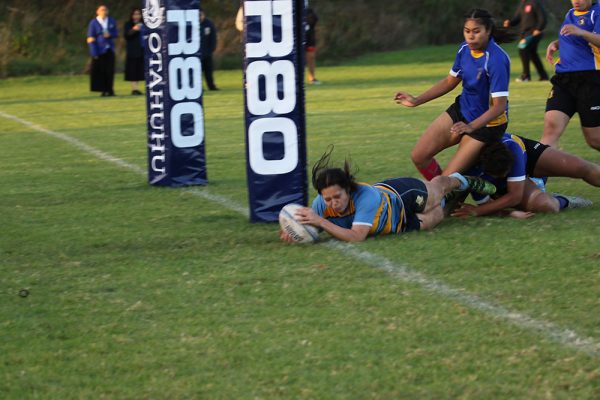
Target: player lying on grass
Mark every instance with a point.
(509, 164)
(351, 211)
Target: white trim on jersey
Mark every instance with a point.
(362, 223)
(482, 201)
(454, 74)
(500, 94)
(516, 178)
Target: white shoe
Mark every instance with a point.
(575, 202)
(315, 82)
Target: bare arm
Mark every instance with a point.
(442, 87)
(358, 233)
(496, 109)
(590, 37)
(512, 198)
(550, 50)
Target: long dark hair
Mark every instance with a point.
(483, 17)
(134, 9)
(495, 159)
(324, 176)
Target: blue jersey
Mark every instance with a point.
(372, 206)
(101, 45)
(577, 54)
(484, 75)
(517, 173)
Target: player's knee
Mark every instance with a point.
(419, 158)
(593, 141)
(545, 204)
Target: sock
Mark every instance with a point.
(464, 184)
(431, 171)
(562, 202)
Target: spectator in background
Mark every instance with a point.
(101, 33)
(311, 45)
(531, 19)
(208, 38)
(134, 60)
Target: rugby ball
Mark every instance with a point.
(300, 233)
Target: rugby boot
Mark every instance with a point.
(574, 201)
(481, 186)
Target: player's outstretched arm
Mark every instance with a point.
(439, 89)
(512, 198)
(358, 233)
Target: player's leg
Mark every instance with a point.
(592, 136)
(466, 155)
(536, 201)
(437, 189)
(553, 162)
(524, 56)
(555, 123)
(436, 138)
(311, 64)
(560, 107)
(431, 218)
(440, 186)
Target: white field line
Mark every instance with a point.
(566, 337)
(204, 193)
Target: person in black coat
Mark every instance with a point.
(208, 44)
(531, 19)
(134, 60)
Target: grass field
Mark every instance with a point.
(143, 292)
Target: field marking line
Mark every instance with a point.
(566, 337)
(204, 193)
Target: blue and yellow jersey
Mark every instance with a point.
(369, 205)
(484, 75)
(517, 173)
(577, 54)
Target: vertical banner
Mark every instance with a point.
(176, 154)
(274, 106)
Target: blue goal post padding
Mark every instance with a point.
(173, 69)
(274, 106)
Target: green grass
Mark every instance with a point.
(143, 292)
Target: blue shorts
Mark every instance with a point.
(413, 194)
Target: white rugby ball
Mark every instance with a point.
(300, 233)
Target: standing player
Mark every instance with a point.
(508, 165)
(351, 211)
(480, 114)
(576, 85)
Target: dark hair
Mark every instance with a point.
(134, 9)
(495, 159)
(324, 176)
(483, 17)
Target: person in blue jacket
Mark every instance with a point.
(101, 35)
